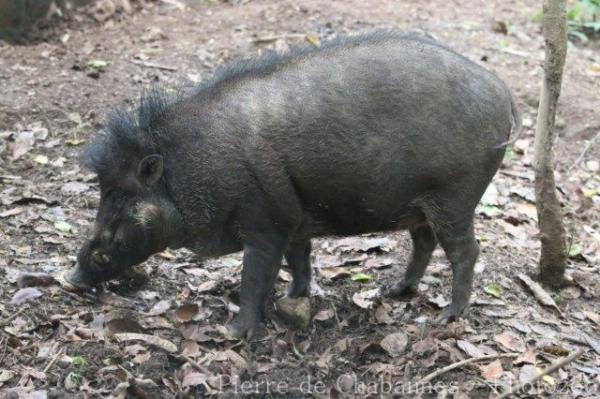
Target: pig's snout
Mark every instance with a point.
(92, 264)
(89, 263)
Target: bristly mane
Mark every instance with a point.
(271, 61)
(132, 135)
(128, 135)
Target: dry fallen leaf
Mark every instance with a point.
(595, 317)
(167, 254)
(176, 3)
(395, 344)
(207, 286)
(365, 299)
(491, 371)
(12, 212)
(469, 348)
(510, 342)
(240, 362)
(186, 312)
(121, 321)
(41, 159)
(150, 339)
(34, 280)
(23, 143)
(527, 209)
(425, 346)
(439, 301)
(527, 373)
(74, 187)
(540, 294)
(324, 315)
(6, 375)
(25, 294)
(194, 378)
(526, 357)
(382, 314)
(366, 244)
(324, 360)
(190, 348)
(160, 307)
(139, 353)
(334, 273)
(313, 39)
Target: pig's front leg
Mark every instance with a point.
(262, 260)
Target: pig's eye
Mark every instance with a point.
(121, 246)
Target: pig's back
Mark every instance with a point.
(365, 128)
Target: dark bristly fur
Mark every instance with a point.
(371, 133)
(133, 132)
(127, 133)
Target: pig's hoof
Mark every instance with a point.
(400, 289)
(242, 328)
(133, 279)
(449, 315)
(298, 289)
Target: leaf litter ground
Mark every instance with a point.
(166, 337)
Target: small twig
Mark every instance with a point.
(291, 3)
(289, 338)
(176, 3)
(5, 341)
(85, 297)
(10, 177)
(520, 175)
(550, 369)
(194, 364)
(588, 145)
(9, 318)
(152, 65)
(582, 338)
(519, 53)
(337, 319)
(296, 352)
(456, 365)
(53, 360)
(272, 38)
(135, 389)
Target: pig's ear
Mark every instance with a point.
(150, 169)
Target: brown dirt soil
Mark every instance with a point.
(63, 344)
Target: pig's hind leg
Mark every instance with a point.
(298, 258)
(424, 242)
(455, 233)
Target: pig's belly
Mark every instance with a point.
(351, 219)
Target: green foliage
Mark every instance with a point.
(78, 361)
(509, 155)
(361, 277)
(493, 289)
(583, 19)
(575, 250)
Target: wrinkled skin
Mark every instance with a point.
(378, 133)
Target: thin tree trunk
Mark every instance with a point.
(553, 259)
